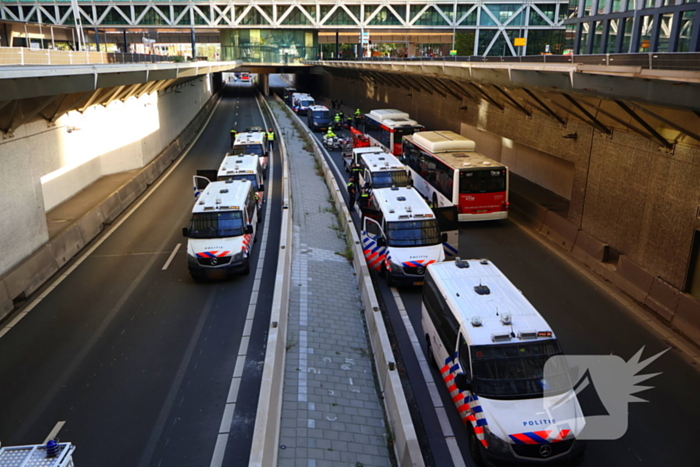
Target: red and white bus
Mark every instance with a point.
(387, 127)
(447, 170)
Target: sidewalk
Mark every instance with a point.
(331, 412)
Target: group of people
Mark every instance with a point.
(365, 192)
(269, 137)
(336, 104)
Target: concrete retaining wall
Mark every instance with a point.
(406, 446)
(264, 449)
(43, 263)
(43, 166)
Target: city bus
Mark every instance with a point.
(387, 127)
(447, 170)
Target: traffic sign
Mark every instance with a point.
(520, 42)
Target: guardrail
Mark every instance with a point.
(264, 449)
(26, 56)
(687, 61)
(406, 446)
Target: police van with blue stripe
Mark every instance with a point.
(490, 346)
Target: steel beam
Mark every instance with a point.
(408, 84)
(13, 114)
(90, 97)
(487, 97)
(418, 83)
(549, 111)
(430, 84)
(447, 89)
(594, 121)
(513, 101)
(646, 126)
(55, 114)
(392, 78)
(464, 92)
(675, 126)
(620, 121)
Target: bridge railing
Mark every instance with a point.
(686, 61)
(26, 56)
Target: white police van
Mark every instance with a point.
(491, 345)
(353, 158)
(243, 167)
(252, 142)
(382, 170)
(301, 102)
(222, 229)
(400, 235)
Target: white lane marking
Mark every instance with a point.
(429, 382)
(54, 432)
(111, 229)
(172, 255)
(229, 408)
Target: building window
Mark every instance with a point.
(647, 24)
(686, 30)
(536, 19)
(587, 6)
(598, 38)
(612, 35)
(573, 9)
(665, 32)
(627, 24)
(485, 38)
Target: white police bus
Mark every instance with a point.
(490, 345)
(222, 228)
(401, 235)
(243, 167)
(382, 170)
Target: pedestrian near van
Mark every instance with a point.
(270, 140)
(233, 135)
(351, 194)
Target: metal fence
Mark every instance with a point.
(689, 61)
(26, 56)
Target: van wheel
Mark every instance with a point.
(431, 357)
(474, 448)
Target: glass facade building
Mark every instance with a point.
(631, 26)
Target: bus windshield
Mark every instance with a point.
(216, 224)
(321, 114)
(253, 179)
(510, 371)
(413, 233)
(257, 149)
(401, 131)
(396, 178)
(482, 181)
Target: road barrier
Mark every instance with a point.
(405, 440)
(264, 449)
(40, 266)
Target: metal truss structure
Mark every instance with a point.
(502, 20)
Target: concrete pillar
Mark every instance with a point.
(264, 83)
(411, 49)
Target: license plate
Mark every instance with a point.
(418, 283)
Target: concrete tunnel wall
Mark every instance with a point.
(624, 190)
(41, 167)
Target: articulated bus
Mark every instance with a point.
(447, 170)
(387, 127)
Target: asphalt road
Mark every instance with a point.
(587, 321)
(138, 360)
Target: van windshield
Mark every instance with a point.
(253, 179)
(413, 233)
(321, 114)
(396, 178)
(256, 149)
(306, 103)
(216, 224)
(514, 371)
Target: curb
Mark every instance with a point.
(406, 446)
(34, 270)
(264, 448)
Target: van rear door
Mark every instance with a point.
(448, 222)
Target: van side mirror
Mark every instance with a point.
(249, 229)
(443, 238)
(381, 241)
(185, 232)
(261, 187)
(462, 382)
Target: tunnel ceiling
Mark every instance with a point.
(663, 109)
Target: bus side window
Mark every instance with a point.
(440, 313)
(463, 350)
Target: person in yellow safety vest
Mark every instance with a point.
(233, 135)
(330, 133)
(270, 139)
(358, 113)
(337, 118)
(351, 194)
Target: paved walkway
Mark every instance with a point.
(332, 414)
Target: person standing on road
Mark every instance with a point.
(233, 135)
(270, 140)
(351, 194)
